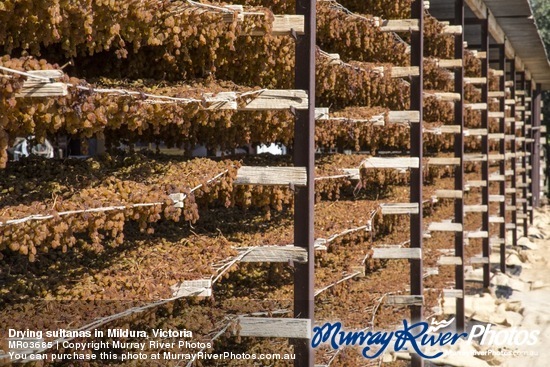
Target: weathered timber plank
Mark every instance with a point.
(399, 208)
(275, 254)
(451, 194)
(248, 175)
(410, 300)
(404, 116)
(439, 161)
(445, 227)
(38, 89)
(394, 162)
(397, 253)
(399, 25)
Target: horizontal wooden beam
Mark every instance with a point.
(445, 227)
(496, 94)
(397, 253)
(444, 96)
(449, 129)
(495, 219)
(404, 116)
(440, 161)
(476, 106)
(449, 260)
(405, 300)
(400, 25)
(274, 254)
(496, 114)
(393, 162)
(476, 183)
(475, 157)
(263, 100)
(399, 208)
(268, 327)
(193, 288)
(475, 208)
(270, 176)
(477, 234)
(41, 89)
(451, 194)
(449, 63)
(482, 80)
(475, 132)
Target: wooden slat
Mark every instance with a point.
(494, 219)
(452, 29)
(477, 234)
(482, 80)
(510, 226)
(193, 288)
(399, 208)
(444, 96)
(248, 175)
(476, 183)
(496, 94)
(405, 300)
(475, 132)
(476, 106)
(475, 157)
(449, 260)
(274, 327)
(52, 74)
(404, 116)
(397, 253)
(274, 254)
(445, 227)
(453, 293)
(475, 208)
(510, 190)
(404, 71)
(438, 161)
(509, 101)
(496, 114)
(479, 260)
(497, 72)
(481, 55)
(497, 241)
(496, 198)
(520, 108)
(399, 25)
(496, 157)
(450, 129)
(394, 162)
(278, 100)
(283, 24)
(36, 89)
(495, 136)
(453, 194)
(495, 177)
(449, 63)
(322, 113)
(509, 120)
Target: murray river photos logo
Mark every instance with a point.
(417, 337)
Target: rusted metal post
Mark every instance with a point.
(304, 156)
(486, 250)
(417, 59)
(513, 78)
(502, 151)
(459, 171)
(535, 113)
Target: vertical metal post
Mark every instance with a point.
(535, 115)
(514, 150)
(529, 150)
(523, 84)
(502, 151)
(485, 150)
(459, 171)
(417, 92)
(304, 156)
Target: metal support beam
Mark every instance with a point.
(502, 150)
(459, 170)
(514, 160)
(304, 156)
(535, 115)
(524, 175)
(485, 151)
(417, 59)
